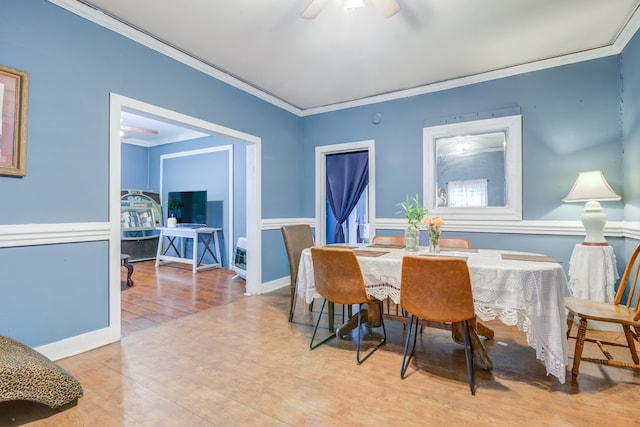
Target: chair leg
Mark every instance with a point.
(332, 312)
(468, 353)
(405, 360)
(570, 319)
(384, 336)
(577, 353)
(292, 307)
(632, 345)
(315, 329)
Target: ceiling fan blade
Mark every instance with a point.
(138, 130)
(313, 9)
(387, 7)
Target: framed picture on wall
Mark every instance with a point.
(14, 94)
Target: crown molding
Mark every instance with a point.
(98, 17)
(470, 80)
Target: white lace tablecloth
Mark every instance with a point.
(593, 273)
(527, 294)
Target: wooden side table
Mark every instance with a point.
(124, 261)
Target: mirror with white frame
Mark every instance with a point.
(473, 170)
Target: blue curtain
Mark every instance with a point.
(347, 177)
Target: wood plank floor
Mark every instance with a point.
(173, 291)
(241, 363)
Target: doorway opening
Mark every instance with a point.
(347, 210)
(252, 144)
(360, 220)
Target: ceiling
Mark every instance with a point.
(350, 57)
(346, 55)
(146, 130)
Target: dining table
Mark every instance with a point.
(520, 289)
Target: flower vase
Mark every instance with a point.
(434, 239)
(411, 239)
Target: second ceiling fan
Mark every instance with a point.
(388, 8)
(125, 131)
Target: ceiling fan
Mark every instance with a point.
(388, 8)
(135, 129)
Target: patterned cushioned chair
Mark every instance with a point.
(26, 374)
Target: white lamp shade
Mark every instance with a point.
(591, 186)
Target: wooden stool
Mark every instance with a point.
(124, 261)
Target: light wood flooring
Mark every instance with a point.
(240, 363)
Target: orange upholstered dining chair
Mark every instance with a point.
(338, 279)
(388, 241)
(455, 243)
(296, 239)
(437, 289)
(624, 311)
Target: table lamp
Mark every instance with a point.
(591, 187)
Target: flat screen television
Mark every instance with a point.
(188, 207)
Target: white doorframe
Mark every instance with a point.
(253, 202)
(321, 183)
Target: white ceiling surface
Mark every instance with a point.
(342, 56)
(166, 132)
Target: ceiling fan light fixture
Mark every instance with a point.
(388, 8)
(353, 4)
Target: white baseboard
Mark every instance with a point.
(276, 284)
(80, 343)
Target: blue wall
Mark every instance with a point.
(134, 174)
(202, 171)
(570, 123)
(630, 64)
(575, 117)
(66, 294)
(74, 65)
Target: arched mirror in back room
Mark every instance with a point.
(473, 170)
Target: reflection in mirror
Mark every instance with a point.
(470, 170)
(473, 170)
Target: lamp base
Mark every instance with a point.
(594, 219)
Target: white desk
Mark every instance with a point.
(528, 294)
(206, 235)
